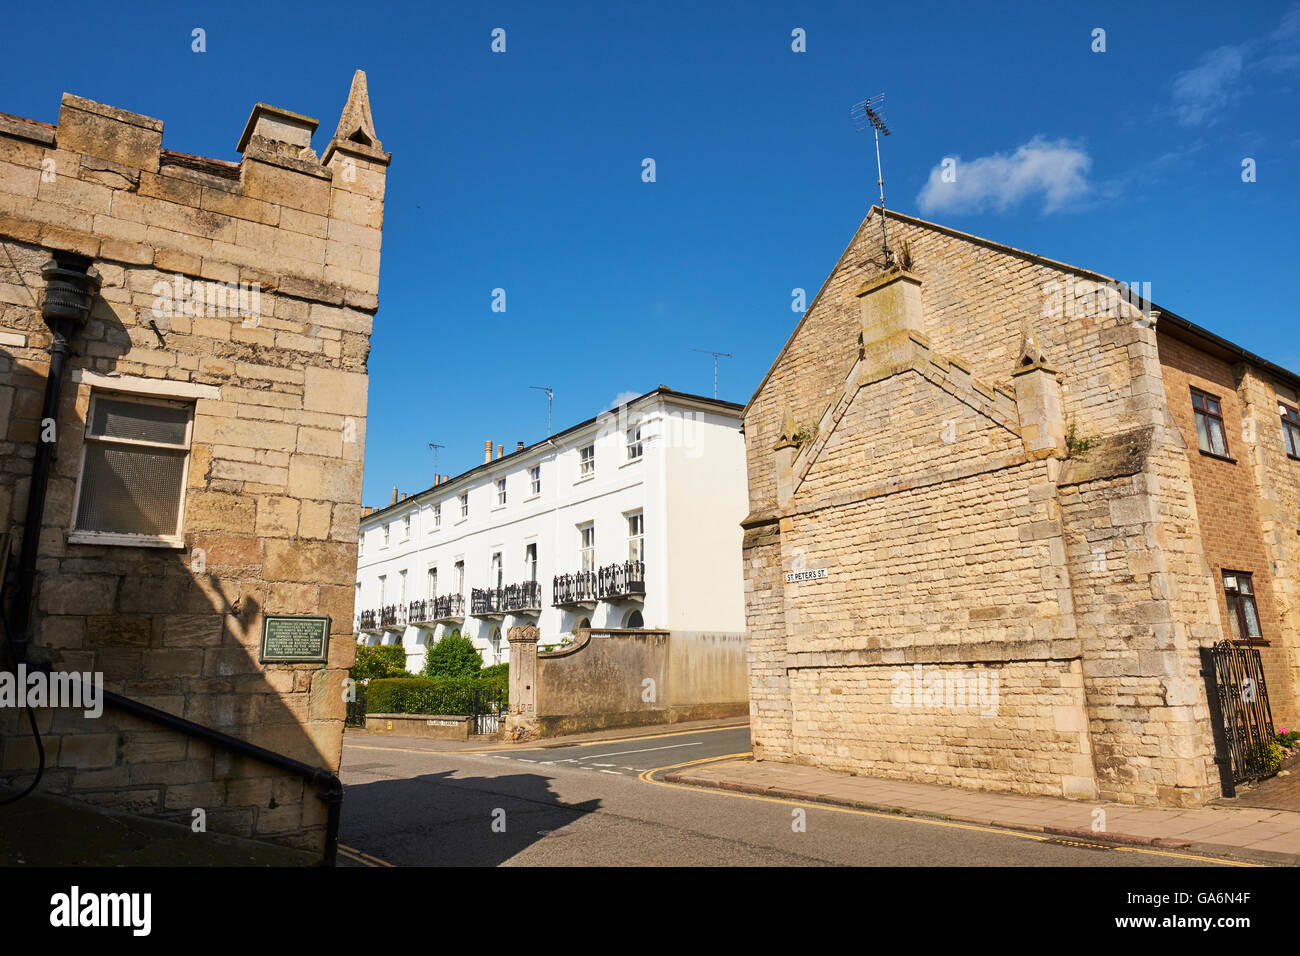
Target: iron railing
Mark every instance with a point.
(368, 620)
(525, 596)
(621, 580)
(578, 588)
(1247, 720)
(449, 607)
(394, 615)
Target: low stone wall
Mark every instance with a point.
(613, 677)
(438, 726)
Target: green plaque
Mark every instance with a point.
(295, 640)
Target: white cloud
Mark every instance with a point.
(622, 397)
(1201, 92)
(1222, 76)
(1055, 171)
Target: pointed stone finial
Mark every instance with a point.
(1030, 352)
(788, 431)
(356, 124)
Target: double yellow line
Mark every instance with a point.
(648, 777)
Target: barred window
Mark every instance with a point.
(133, 466)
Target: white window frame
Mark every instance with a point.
(639, 538)
(497, 570)
(535, 479)
(78, 536)
(501, 492)
(437, 516)
(431, 582)
(635, 448)
(459, 569)
(383, 586)
(406, 526)
(587, 554)
(387, 532)
(587, 464)
(530, 560)
(464, 505)
(401, 587)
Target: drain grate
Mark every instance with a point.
(1079, 843)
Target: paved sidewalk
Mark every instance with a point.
(1247, 833)
(356, 736)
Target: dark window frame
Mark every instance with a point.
(1290, 429)
(1202, 409)
(1241, 634)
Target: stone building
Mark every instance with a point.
(998, 505)
(210, 322)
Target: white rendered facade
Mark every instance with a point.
(654, 489)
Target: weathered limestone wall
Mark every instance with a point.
(934, 478)
(272, 499)
(625, 678)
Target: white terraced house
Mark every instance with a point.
(627, 520)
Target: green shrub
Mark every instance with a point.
(1287, 738)
(385, 660)
(423, 695)
(1265, 756)
(453, 656)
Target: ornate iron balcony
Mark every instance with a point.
(394, 615)
(449, 607)
(573, 589)
(621, 580)
(526, 596)
(368, 620)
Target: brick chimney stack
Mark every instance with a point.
(487, 451)
(501, 450)
(394, 494)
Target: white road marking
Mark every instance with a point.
(619, 753)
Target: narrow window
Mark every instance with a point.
(433, 583)
(437, 516)
(401, 587)
(386, 527)
(406, 527)
(530, 561)
(133, 466)
(460, 577)
(1209, 424)
(501, 491)
(464, 505)
(634, 443)
(586, 461)
(1290, 429)
(497, 573)
(535, 477)
(1242, 613)
(383, 586)
(588, 547)
(636, 537)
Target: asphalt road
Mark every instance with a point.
(588, 805)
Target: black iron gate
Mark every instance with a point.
(488, 710)
(1239, 706)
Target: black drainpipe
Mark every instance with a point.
(71, 284)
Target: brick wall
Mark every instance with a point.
(271, 503)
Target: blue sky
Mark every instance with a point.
(522, 170)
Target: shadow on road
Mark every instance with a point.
(445, 819)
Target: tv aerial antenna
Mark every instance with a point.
(550, 395)
(870, 114)
(433, 447)
(716, 356)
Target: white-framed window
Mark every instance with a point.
(134, 462)
(586, 461)
(498, 572)
(501, 492)
(460, 577)
(587, 546)
(530, 560)
(406, 527)
(433, 583)
(437, 516)
(383, 588)
(464, 505)
(401, 587)
(535, 479)
(636, 537)
(387, 529)
(634, 448)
